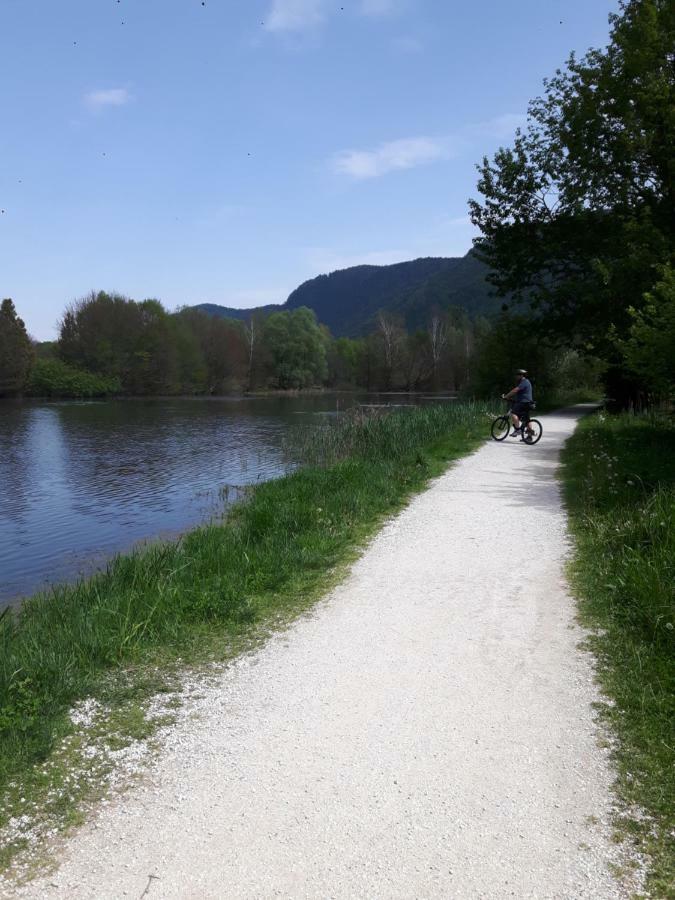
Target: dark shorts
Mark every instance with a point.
(522, 409)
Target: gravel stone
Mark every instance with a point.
(427, 731)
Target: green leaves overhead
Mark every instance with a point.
(577, 217)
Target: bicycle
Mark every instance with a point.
(530, 429)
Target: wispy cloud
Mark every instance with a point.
(409, 153)
(407, 44)
(406, 153)
(95, 101)
(295, 15)
(301, 15)
(379, 7)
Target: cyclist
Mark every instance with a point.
(522, 396)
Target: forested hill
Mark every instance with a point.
(347, 301)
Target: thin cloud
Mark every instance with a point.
(95, 101)
(406, 153)
(409, 153)
(302, 15)
(407, 45)
(378, 7)
(295, 15)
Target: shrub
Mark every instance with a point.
(55, 378)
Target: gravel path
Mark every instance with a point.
(426, 732)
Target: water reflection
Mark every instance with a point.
(81, 481)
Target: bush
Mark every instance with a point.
(55, 378)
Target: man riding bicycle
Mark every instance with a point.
(523, 402)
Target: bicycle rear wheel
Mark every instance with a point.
(500, 428)
(533, 431)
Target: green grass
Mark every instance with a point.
(619, 475)
(119, 636)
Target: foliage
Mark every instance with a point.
(16, 351)
(219, 351)
(55, 378)
(577, 215)
(297, 345)
(271, 555)
(117, 338)
(112, 344)
(517, 342)
(619, 474)
(650, 347)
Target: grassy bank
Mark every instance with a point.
(109, 636)
(619, 474)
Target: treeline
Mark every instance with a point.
(109, 344)
(577, 216)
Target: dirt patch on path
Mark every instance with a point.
(426, 732)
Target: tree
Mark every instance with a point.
(650, 347)
(391, 336)
(577, 215)
(415, 360)
(116, 337)
(344, 357)
(16, 351)
(215, 360)
(253, 333)
(438, 341)
(297, 348)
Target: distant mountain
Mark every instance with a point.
(229, 312)
(347, 301)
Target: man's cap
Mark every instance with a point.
(521, 371)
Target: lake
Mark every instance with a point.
(80, 481)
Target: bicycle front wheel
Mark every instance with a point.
(533, 431)
(500, 428)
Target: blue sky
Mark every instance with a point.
(227, 150)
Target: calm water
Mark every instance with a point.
(81, 481)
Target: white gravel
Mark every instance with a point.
(426, 732)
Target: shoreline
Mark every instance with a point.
(190, 602)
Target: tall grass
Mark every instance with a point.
(364, 433)
(272, 552)
(620, 486)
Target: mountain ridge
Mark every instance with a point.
(347, 300)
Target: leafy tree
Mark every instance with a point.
(114, 336)
(213, 353)
(297, 348)
(650, 347)
(510, 345)
(577, 215)
(344, 356)
(16, 351)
